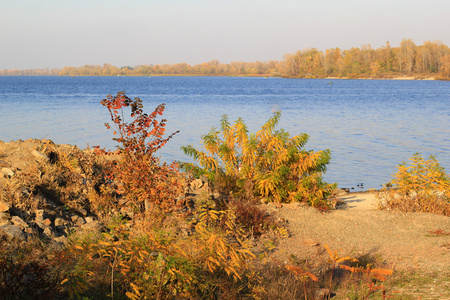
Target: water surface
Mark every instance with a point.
(369, 125)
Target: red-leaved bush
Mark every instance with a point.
(138, 174)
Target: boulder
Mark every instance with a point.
(13, 231)
(19, 222)
(40, 156)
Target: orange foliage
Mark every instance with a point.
(138, 175)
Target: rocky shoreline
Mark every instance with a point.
(43, 217)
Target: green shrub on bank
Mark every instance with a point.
(422, 186)
(269, 164)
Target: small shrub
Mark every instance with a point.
(269, 164)
(421, 187)
(138, 174)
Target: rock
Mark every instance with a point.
(4, 206)
(126, 211)
(8, 172)
(63, 230)
(204, 178)
(40, 156)
(39, 215)
(47, 222)
(91, 226)
(60, 222)
(47, 230)
(180, 200)
(13, 231)
(59, 243)
(89, 219)
(80, 221)
(31, 231)
(196, 184)
(340, 192)
(322, 294)
(19, 222)
(82, 211)
(4, 219)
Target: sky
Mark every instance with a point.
(58, 33)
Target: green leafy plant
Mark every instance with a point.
(269, 164)
(422, 186)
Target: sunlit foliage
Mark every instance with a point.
(269, 164)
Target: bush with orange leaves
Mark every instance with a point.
(138, 174)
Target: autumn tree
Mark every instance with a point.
(407, 55)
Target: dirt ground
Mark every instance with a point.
(398, 241)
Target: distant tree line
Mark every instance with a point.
(431, 58)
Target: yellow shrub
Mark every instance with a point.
(422, 186)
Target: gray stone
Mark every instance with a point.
(40, 156)
(19, 222)
(13, 231)
(4, 206)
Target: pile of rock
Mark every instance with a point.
(53, 225)
(48, 220)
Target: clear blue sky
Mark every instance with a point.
(57, 33)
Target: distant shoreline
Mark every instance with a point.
(396, 77)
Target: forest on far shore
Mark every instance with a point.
(432, 59)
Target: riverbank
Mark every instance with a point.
(413, 245)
